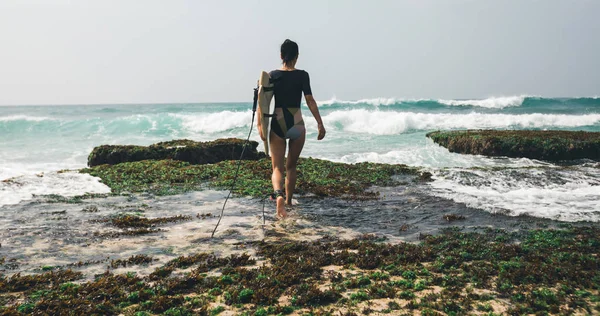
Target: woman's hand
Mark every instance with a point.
(321, 132)
(312, 105)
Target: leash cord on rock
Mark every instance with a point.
(239, 164)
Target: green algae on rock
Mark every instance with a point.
(131, 221)
(133, 260)
(182, 150)
(455, 273)
(315, 176)
(131, 225)
(541, 145)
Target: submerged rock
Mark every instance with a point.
(182, 150)
(542, 145)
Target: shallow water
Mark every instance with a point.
(38, 233)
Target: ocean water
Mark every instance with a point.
(36, 142)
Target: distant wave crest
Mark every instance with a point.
(391, 123)
(24, 118)
(493, 103)
(488, 103)
(374, 101)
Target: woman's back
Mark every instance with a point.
(289, 86)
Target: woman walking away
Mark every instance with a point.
(288, 124)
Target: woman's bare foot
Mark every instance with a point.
(281, 207)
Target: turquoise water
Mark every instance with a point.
(36, 139)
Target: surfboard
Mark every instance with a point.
(265, 95)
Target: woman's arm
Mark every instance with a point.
(312, 105)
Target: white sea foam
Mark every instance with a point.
(373, 101)
(25, 118)
(434, 156)
(214, 122)
(15, 190)
(10, 169)
(493, 102)
(548, 192)
(136, 119)
(392, 123)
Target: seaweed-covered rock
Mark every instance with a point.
(318, 177)
(182, 150)
(542, 145)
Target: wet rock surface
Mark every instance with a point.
(181, 150)
(541, 145)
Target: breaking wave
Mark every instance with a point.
(391, 123)
(491, 103)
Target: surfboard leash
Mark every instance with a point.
(237, 170)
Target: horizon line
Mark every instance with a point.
(330, 99)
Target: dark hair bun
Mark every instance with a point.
(289, 51)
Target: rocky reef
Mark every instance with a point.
(151, 254)
(542, 145)
(316, 177)
(182, 150)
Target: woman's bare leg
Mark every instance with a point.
(296, 146)
(278, 145)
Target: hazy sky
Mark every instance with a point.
(143, 51)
